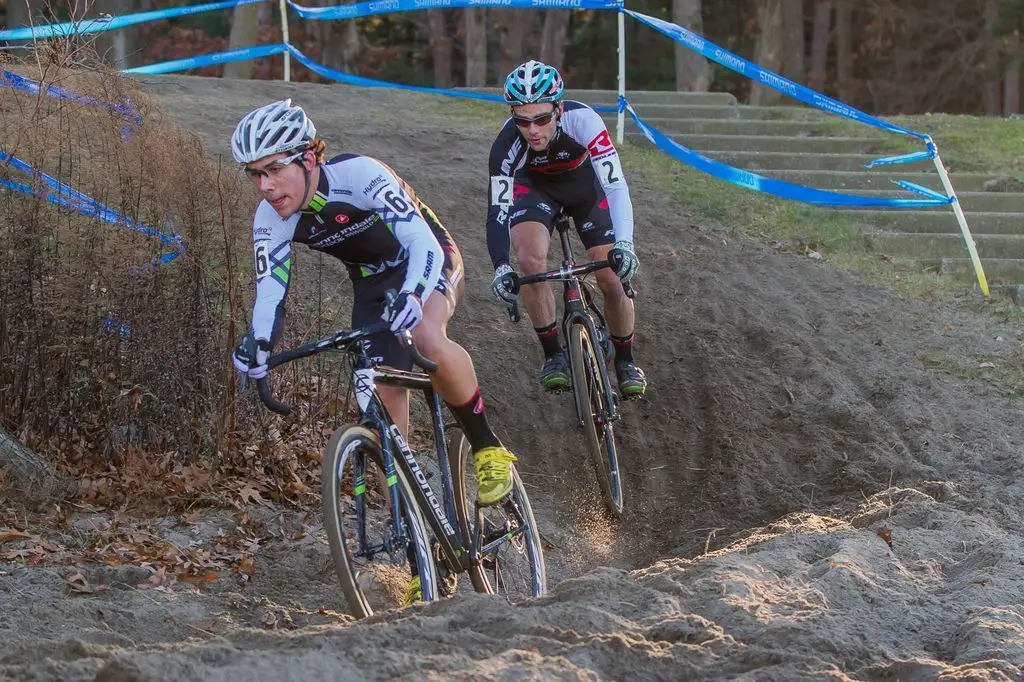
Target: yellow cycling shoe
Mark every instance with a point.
(493, 474)
(413, 593)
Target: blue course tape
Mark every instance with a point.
(70, 198)
(350, 79)
(10, 79)
(759, 183)
(766, 77)
(111, 23)
(371, 7)
(209, 59)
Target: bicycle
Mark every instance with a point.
(585, 328)
(363, 489)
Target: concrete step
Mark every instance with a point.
(636, 97)
(972, 202)
(946, 245)
(997, 270)
(937, 221)
(805, 144)
(717, 126)
(772, 161)
(878, 179)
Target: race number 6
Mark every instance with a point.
(260, 255)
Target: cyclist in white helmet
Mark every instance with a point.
(358, 210)
(556, 154)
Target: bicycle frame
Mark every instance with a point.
(578, 309)
(441, 516)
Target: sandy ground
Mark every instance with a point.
(811, 493)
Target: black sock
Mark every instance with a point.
(474, 423)
(549, 339)
(623, 348)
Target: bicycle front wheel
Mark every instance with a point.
(589, 387)
(375, 529)
(505, 535)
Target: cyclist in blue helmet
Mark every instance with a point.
(556, 154)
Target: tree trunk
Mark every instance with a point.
(245, 24)
(793, 66)
(117, 47)
(693, 72)
(19, 14)
(819, 44)
(476, 46)
(27, 478)
(441, 48)
(990, 93)
(555, 37)
(844, 50)
(768, 49)
(511, 24)
(1011, 79)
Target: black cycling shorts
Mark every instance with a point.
(540, 197)
(370, 292)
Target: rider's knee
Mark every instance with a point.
(531, 249)
(429, 339)
(610, 286)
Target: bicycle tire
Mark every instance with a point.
(463, 481)
(346, 443)
(588, 384)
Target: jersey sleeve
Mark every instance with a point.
(506, 155)
(381, 191)
(591, 131)
(272, 253)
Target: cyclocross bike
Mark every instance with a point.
(590, 353)
(379, 504)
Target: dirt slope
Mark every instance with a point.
(786, 398)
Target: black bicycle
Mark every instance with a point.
(590, 353)
(378, 502)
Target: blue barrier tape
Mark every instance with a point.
(241, 53)
(758, 183)
(371, 7)
(12, 80)
(766, 77)
(912, 157)
(69, 28)
(914, 187)
(70, 198)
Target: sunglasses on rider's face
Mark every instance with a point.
(539, 121)
(273, 168)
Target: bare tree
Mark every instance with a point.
(844, 49)
(476, 46)
(441, 45)
(20, 13)
(511, 25)
(993, 79)
(245, 25)
(555, 37)
(793, 66)
(340, 41)
(820, 39)
(1011, 79)
(768, 48)
(693, 73)
(117, 47)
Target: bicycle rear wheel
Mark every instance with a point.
(374, 557)
(589, 386)
(506, 534)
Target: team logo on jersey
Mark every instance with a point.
(518, 191)
(601, 144)
(341, 218)
(564, 154)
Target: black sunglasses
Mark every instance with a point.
(540, 121)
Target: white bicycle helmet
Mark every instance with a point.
(274, 128)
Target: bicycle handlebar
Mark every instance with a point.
(337, 340)
(514, 281)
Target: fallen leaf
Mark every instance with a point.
(885, 257)
(6, 535)
(199, 578)
(80, 585)
(885, 533)
(986, 365)
(251, 494)
(245, 566)
(269, 620)
(815, 255)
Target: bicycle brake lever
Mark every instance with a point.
(628, 288)
(513, 312)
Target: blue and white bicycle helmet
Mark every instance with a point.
(533, 82)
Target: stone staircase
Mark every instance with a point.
(797, 144)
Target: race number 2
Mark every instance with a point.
(501, 190)
(610, 170)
